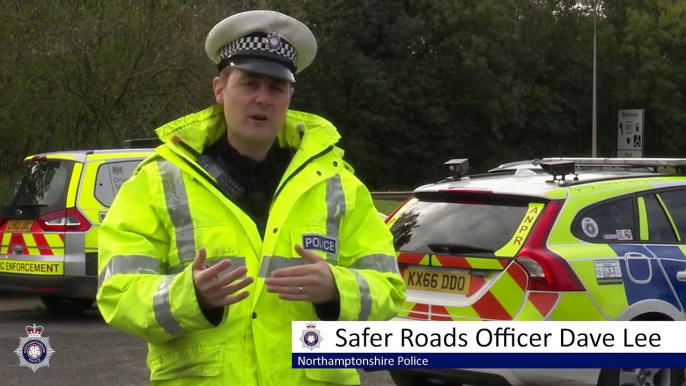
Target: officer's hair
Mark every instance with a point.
(224, 73)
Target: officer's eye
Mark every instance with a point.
(278, 87)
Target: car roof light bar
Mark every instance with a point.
(588, 161)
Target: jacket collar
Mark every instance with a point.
(302, 131)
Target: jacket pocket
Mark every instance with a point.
(205, 360)
(219, 241)
(334, 376)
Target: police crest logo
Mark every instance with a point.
(34, 350)
(310, 337)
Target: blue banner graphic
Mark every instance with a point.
(487, 360)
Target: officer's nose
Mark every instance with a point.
(263, 96)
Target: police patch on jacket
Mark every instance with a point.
(319, 243)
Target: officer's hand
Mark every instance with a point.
(313, 282)
(213, 291)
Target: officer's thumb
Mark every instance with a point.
(311, 257)
(199, 262)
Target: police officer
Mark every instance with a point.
(245, 219)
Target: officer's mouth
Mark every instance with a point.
(259, 117)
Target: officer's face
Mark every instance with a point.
(255, 106)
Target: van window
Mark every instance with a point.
(676, 205)
(40, 187)
(109, 179)
(607, 223)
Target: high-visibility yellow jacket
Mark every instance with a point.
(169, 209)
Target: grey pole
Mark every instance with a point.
(594, 148)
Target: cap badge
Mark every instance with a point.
(274, 40)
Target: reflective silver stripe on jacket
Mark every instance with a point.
(162, 308)
(129, 264)
(365, 296)
(378, 262)
(272, 263)
(179, 212)
(235, 263)
(335, 208)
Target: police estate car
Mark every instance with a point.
(550, 244)
(49, 221)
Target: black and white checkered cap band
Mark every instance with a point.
(259, 43)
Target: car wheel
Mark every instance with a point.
(404, 379)
(642, 377)
(66, 306)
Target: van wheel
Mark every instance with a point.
(66, 306)
(642, 377)
(404, 379)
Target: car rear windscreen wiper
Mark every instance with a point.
(457, 249)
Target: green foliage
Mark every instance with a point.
(410, 84)
(4, 185)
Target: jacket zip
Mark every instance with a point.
(300, 168)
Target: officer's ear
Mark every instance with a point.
(218, 85)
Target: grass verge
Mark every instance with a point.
(386, 206)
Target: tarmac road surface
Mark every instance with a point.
(87, 350)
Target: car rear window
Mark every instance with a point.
(40, 187)
(448, 223)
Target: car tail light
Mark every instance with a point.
(547, 270)
(70, 220)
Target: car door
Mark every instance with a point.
(617, 222)
(666, 215)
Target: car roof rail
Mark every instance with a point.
(514, 165)
(143, 143)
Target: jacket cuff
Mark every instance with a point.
(185, 305)
(348, 292)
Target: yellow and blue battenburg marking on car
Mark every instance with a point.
(552, 239)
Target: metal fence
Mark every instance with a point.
(400, 196)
